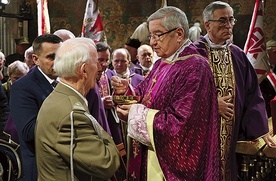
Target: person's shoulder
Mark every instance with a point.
(191, 52)
(136, 69)
(110, 73)
(137, 76)
(29, 81)
(137, 66)
(236, 47)
(237, 53)
(27, 78)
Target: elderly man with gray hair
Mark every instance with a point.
(168, 126)
(74, 146)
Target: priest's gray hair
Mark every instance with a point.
(209, 9)
(72, 54)
(172, 17)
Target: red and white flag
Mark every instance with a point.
(255, 44)
(272, 79)
(92, 23)
(43, 21)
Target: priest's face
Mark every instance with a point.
(103, 59)
(220, 27)
(120, 61)
(145, 55)
(164, 42)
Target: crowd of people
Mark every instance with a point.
(186, 110)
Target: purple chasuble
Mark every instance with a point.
(96, 108)
(186, 128)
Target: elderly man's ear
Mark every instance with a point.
(82, 70)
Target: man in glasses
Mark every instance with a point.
(171, 139)
(241, 105)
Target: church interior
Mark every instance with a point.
(120, 18)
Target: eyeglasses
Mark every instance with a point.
(157, 36)
(224, 21)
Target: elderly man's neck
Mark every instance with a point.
(76, 84)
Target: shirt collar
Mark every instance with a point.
(125, 75)
(174, 56)
(48, 78)
(213, 45)
(145, 68)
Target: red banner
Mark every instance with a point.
(255, 44)
(92, 23)
(43, 21)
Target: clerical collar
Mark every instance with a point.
(125, 75)
(213, 45)
(145, 68)
(48, 78)
(174, 56)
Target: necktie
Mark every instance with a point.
(54, 83)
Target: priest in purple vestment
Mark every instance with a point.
(121, 60)
(174, 128)
(241, 105)
(145, 60)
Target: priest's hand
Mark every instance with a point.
(119, 85)
(122, 111)
(269, 140)
(225, 108)
(108, 103)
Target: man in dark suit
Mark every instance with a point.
(27, 95)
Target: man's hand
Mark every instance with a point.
(225, 108)
(269, 141)
(119, 85)
(122, 111)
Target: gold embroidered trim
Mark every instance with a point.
(221, 63)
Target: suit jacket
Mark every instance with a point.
(4, 108)
(95, 154)
(26, 97)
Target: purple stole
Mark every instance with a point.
(104, 86)
(134, 166)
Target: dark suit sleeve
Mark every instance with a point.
(4, 109)
(24, 108)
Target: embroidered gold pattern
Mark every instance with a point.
(222, 67)
(104, 86)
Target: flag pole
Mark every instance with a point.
(164, 3)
